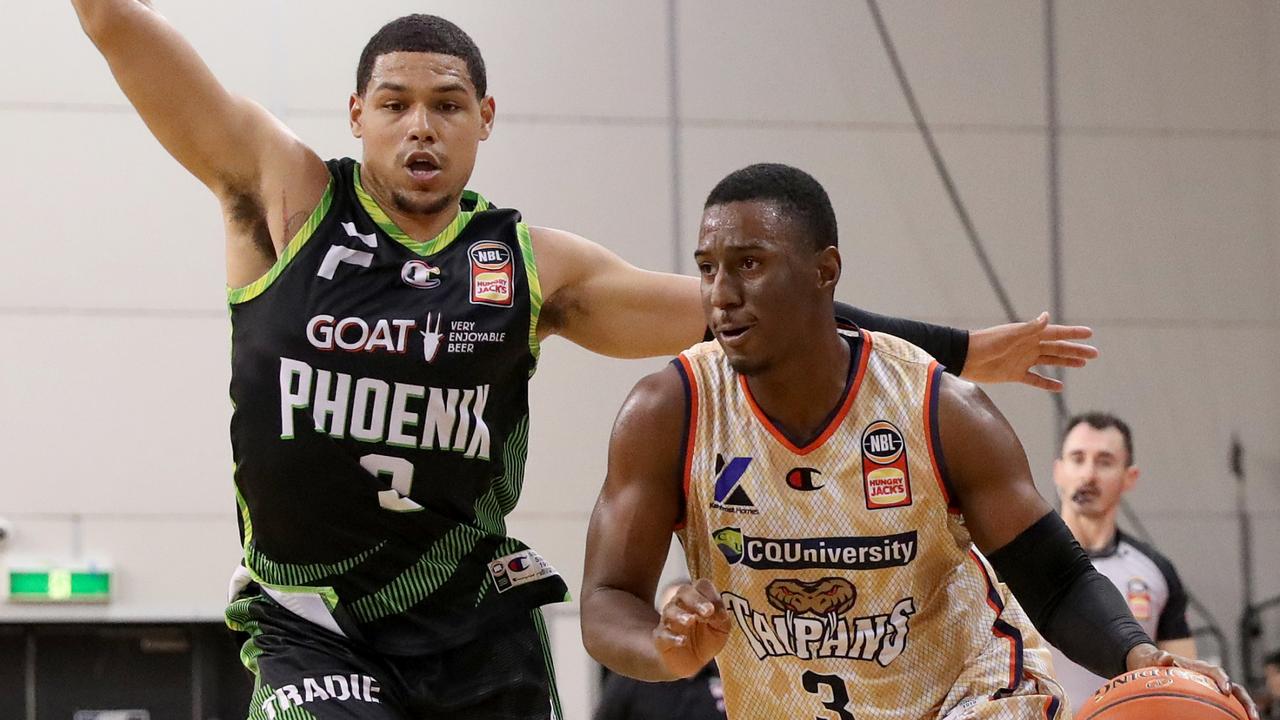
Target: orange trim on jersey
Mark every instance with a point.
(929, 420)
(692, 436)
(833, 425)
(992, 602)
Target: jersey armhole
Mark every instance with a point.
(934, 436)
(689, 435)
(235, 296)
(535, 289)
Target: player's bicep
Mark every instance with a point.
(986, 465)
(603, 303)
(641, 501)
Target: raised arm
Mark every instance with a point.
(627, 544)
(605, 304)
(260, 171)
(1070, 603)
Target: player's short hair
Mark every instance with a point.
(1272, 659)
(425, 34)
(793, 189)
(1102, 421)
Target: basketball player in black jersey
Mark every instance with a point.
(385, 325)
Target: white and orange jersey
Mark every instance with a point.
(854, 589)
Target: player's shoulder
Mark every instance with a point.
(657, 404)
(895, 349)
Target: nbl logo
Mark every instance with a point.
(886, 480)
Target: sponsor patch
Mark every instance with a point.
(831, 553)
(518, 569)
(729, 494)
(492, 274)
(1139, 597)
(420, 274)
(886, 480)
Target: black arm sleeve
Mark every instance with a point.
(1073, 605)
(949, 345)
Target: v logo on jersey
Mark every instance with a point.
(729, 493)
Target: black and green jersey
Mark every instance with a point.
(381, 421)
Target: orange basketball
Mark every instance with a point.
(1161, 693)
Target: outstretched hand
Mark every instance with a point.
(1146, 655)
(1007, 353)
(693, 628)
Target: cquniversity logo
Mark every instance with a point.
(729, 493)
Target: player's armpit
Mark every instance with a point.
(605, 304)
(630, 530)
(986, 466)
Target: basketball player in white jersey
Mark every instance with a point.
(832, 493)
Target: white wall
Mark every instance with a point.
(111, 304)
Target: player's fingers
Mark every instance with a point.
(1060, 361)
(1036, 380)
(1243, 696)
(1215, 673)
(1066, 349)
(1054, 360)
(665, 640)
(1067, 332)
(710, 597)
(686, 597)
(677, 617)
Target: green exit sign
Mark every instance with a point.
(59, 586)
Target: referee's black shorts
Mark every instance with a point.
(306, 672)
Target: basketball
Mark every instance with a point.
(1163, 693)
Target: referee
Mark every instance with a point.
(1092, 474)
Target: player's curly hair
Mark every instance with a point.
(795, 190)
(426, 34)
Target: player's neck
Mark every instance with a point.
(799, 394)
(421, 227)
(1093, 533)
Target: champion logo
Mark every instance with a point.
(729, 493)
(803, 478)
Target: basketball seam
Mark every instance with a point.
(1224, 708)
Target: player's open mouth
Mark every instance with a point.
(422, 166)
(732, 334)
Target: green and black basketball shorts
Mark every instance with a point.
(307, 672)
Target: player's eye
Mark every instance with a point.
(706, 268)
(394, 106)
(450, 107)
(750, 263)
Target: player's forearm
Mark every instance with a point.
(949, 345)
(617, 630)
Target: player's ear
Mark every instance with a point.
(488, 110)
(355, 108)
(829, 266)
